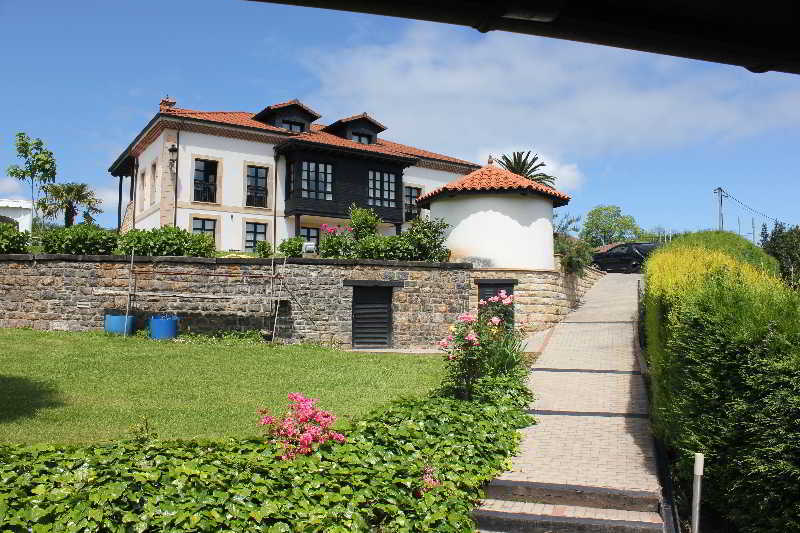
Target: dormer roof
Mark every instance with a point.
(377, 126)
(264, 114)
(490, 179)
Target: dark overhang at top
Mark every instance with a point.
(759, 36)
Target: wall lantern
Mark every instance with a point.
(173, 157)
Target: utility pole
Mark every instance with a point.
(721, 194)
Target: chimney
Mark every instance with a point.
(166, 103)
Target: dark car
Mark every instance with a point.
(624, 257)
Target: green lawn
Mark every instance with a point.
(86, 387)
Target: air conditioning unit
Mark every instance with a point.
(309, 248)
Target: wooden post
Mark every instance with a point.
(119, 205)
(297, 225)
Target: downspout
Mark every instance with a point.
(275, 204)
(177, 166)
(135, 183)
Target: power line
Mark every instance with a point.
(747, 207)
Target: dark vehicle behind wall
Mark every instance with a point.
(624, 257)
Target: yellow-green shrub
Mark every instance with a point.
(723, 343)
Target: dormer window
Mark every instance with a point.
(294, 126)
(363, 138)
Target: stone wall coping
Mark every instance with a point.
(232, 260)
(493, 269)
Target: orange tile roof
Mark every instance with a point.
(364, 116)
(315, 136)
(293, 101)
(490, 179)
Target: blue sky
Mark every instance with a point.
(652, 134)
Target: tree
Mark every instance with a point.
(67, 198)
(565, 224)
(784, 245)
(528, 167)
(39, 167)
(606, 224)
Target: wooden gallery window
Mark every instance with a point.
(362, 138)
(257, 186)
(205, 181)
(291, 125)
(205, 226)
(254, 232)
(410, 195)
(381, 189)
(316, 180)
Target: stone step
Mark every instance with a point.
(518, 490)
(501, 516)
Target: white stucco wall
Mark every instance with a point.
(20, 211)
(499, 230)
(145, 196)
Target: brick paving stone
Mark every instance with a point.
(591, 407)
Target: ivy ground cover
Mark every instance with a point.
(61, 388)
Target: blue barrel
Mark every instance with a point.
(118, 325)
(163, 327)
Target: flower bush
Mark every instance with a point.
(303, 427)
(481, 344)
(292, 247)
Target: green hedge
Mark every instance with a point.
(165, 241)
(373, 482)
(80, 239)
(723, 344)
(13, 241)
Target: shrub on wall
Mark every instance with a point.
(724, 351)
(166, 241)
(292, 247)
(263, 249)
(576, 254)
(80, 239)
(13, 241)
(364, 221)
(426, 238)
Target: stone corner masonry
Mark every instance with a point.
(311, 297)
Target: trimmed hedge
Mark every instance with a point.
(723, 344)
(80, 239)
(165, 241)
(13, 241)
(373, 482)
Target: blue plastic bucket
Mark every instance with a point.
(163, 327)
(118, 325)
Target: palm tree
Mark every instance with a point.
(67, 198)
(526, 166)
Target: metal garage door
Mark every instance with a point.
(372, 316)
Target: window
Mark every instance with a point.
(381, 189)
(205, 180)
(253, 232)
(410, 195)
(205, 226)
(363, 138)
(292, 125)
(153, 183)
(316, 180)
(310, 235)
(256, 186)
(140, 199)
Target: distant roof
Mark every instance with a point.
(24, 204)
(494, 179)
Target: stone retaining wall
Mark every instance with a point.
(313, 302)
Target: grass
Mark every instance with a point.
(61, 387)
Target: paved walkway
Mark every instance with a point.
(591, 451)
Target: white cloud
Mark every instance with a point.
(11, 188)
(109, 196)
(461, 93)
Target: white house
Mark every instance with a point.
(498, 219)
(242, 177)
(18, 213)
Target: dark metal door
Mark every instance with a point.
(372, 316)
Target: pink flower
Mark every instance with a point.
(324, 227)
(481, 302)
(449, 338)
(338, 437)
(494, 299)
(508, 301)
(471, 336)
(451, 357)
(443, 343)
(266, 420)
(348, 228)
(502, 293)
(466, 318)
(495, 320)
